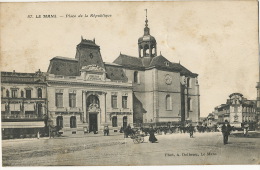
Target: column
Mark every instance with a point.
(102, 118)
(85, 117)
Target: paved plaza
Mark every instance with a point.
(172, 149)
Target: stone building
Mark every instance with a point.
(23, 104)
(237, 110)
(163, 91)
(85, 94)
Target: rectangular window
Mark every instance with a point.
(114, 101)
(189, 104)
(14, 93)
(15, 114)
(72, 100)
(59, 99)
(28, 94)
(30, 114)
(114, 121)
(124, 101)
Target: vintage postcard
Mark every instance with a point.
(129, 83)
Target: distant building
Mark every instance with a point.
(212, 119)
(23, 104)
(237, 110)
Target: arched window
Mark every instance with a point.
(39, 93)
(189, 104)
(73, 122)
(188, 82)
(39, 109)
(59, 121)
(168, 102)
(7, 93)
(92, 99)
(2, 90)
(22, 94)
(114, 121)
(136, 77)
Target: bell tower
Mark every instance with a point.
(147, 43)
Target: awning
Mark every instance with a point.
(35, 124)
(15, 107)
(2, 107)
(29, 107)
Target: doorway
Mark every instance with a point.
(124, 122)
(93, 122)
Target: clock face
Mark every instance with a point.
(168, 79)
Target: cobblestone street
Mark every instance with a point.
(172, 149)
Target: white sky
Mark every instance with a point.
(216, 39)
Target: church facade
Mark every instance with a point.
(163, 91)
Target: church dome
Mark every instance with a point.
(146, 38)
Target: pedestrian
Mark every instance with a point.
(226, 129)
(152, 137)
(106, 130)
(246, 126)
(38, 135)
(191, 130)
(127, 131)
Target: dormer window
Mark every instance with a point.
(136, 77)
(167, 63)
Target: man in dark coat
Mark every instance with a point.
(226, 129)
(152, 137)
(191, 130)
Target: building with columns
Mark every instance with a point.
(86, 93)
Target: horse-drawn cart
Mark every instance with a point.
(137, 138)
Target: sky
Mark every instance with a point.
(216, 39)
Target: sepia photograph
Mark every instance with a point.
(130, 83)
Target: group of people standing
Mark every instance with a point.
(226, 129)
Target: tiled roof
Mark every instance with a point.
(88, 42)
(158, 62)
(64, 58)
(16, 77)
(129, 62)
(161, 62)
(115, 73)
(186, 72)
(63, 66)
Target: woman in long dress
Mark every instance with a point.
(152, 137)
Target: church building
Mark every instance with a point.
(163, 91)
